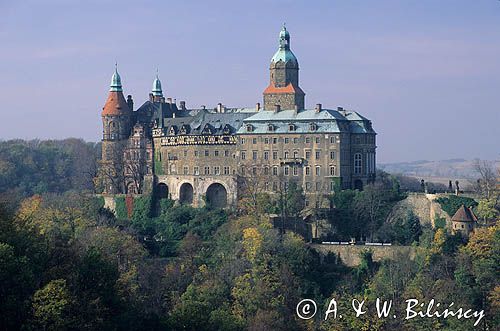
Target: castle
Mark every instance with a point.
(198, 156)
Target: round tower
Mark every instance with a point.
(156, 91)
(116, 118)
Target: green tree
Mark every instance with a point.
(53, 306)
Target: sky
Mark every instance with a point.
(426, 72)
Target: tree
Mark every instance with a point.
(485, 186)
(368, 205)
(53, 306)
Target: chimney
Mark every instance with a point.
(162, 99)
(257, 106)
(169, 100)
(130, 102)
(340, 109)
(277, 108)
(318, 108)
(219, 107)
(183, 105)
(203, 107)
(151, 97)
(296, 109)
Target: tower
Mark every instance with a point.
(283, 89)
(116, 118)
(156, 91)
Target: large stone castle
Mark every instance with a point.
(199, 156)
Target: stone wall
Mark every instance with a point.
(350, 254)
(423, 205)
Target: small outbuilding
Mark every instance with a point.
(464, 221)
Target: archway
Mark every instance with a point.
(358, 185)
(217, 196)
(186, 194)
(162, 191)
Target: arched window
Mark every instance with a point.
(357, 163)
(332, 170)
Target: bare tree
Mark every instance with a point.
(486, 184)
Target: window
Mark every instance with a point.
(318, 155)
(185, 153)
(266, 155)
(295, 171)
(185, 170)
(243, 171)
(254, 155)
(266, 170)
(195, 153)
(308, 171)
(295, 140)
(275, 140)
(286, 155)
(266, 140)
(332, 155)
(308, 186)
(318, 171)
(207, 170)
(254, 171)
(243, 155)
(287, 140)
(358, 140)
(254, 141)
(317, 140)
(226, 153)
(332, 140)
(308, 155)
(332, 186)
(266, 186)
(216, 153)
(357, 163)
(312, 127)
(291, 127)
(226, 171)
(243, 140)
(270, 127)
(286, 170)
(206, 153)
(275, 155)
(196, 170)
(216, 170)
(275, 171)
(249, 128)
(318, 186)
(332, 170)
(308, 140)
(296, 154)
(275, 186)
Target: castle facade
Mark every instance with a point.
(199, 156)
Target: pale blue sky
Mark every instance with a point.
(427, 72)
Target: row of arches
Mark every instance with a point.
(216, 194)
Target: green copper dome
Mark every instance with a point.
(284, 53)
(116, 82)
(157, 92)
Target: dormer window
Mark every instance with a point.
(184, 129)
(270, 127)
(249, 127)
(227, 129)
(172, 131)
(313, 127)
(291, 127)
(207, 130)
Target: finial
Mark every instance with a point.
(284, 26)
(157, 72)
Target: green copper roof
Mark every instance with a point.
(157, 92)
(116, 82)
(284, 53)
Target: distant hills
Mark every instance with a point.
(446, 169)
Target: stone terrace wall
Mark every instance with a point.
(350, 253)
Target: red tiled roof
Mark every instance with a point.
(287, 89)
(115, 104)
(464, 214)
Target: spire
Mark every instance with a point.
(157, 92)
(116, 81)
(284, 53)
(284, 38)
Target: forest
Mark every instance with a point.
(68, 263)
